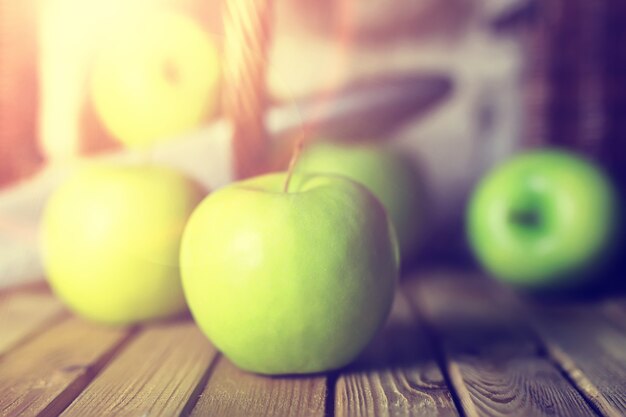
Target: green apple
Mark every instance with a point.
(540, 219)
(155, 78)
(111, 238)
(390, 175)
(290, 282)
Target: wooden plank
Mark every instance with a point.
(616, 311)
(590, 349)
(155, 375)
(46, 373)
(22, 315)
(232, 392)
(397, 376)
(495, 363)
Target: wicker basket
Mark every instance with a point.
(584, 43)
(18, 90)
(576, 93)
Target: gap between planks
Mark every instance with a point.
(48, 371)
(406, 378)
(398, 375)
(585, 340)
(270, 396)
(157, 374)
(75, 368)
(492, 359)
(590, 350)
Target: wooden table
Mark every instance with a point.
(455, 345)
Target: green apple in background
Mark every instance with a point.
(390, 175)
(290, 282)
(539, 220)
(111, 239)
(154, 78)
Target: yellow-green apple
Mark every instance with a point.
(390, 175)
(111, 238)
(290, 282)
(154, 78)
(541, 219)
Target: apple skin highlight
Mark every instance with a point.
(290, 283)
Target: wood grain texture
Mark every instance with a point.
(590, 349)
(397, 375)
(155, 375)
(22, 315)
(46, 373)
(495, 363)
(233, 392)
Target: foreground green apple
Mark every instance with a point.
(289, 283)
(156, 78)
(539, 220)
(111, 239)
(391, 176)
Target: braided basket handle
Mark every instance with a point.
(248, 30)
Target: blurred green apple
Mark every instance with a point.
(541, 219)
(388, 174)
(290, 282)
(155, 78)
(111, 238)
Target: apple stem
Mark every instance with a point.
(292, 163)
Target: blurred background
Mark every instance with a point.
(511, 74)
